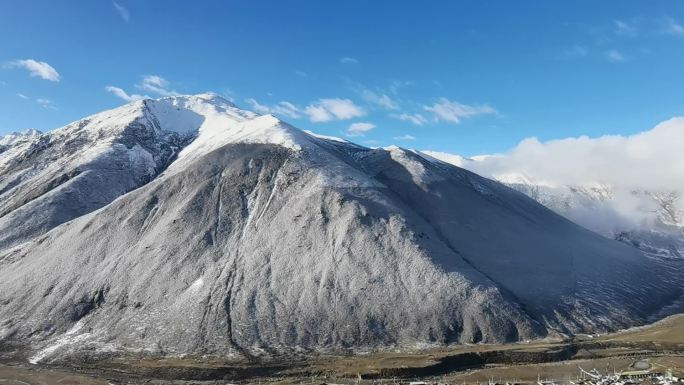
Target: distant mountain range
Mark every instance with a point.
(186, 225)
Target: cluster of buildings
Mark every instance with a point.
(641, 373)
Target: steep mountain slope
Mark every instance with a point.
(263, 239)
(48, 179)
(647, 218)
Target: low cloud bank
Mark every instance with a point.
(608, 183)
(653, 159)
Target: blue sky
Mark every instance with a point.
(466, 77)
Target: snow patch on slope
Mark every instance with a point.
(326, 137)
(71, 337)
(219, 130)
(419, 173)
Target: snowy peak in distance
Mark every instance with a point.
(15, 137)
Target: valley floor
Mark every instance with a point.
(661, 344)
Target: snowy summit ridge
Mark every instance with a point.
(141, 139)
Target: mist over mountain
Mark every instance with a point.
(186, 225)
(627, 188)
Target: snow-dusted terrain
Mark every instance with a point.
(186, 225)
(49, 179)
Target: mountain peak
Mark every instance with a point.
(209, 98)
(14, 137)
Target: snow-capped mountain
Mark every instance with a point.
(187, 225)
(15, 138)
(649, 219)
(49, 179)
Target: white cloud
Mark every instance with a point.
(349, 60)
(123, 12)
(123, 95)
(359, 129)
(630, 168)
(454, 112)
(672, 27)
(326, 110)
(153, 84)
(46, 103)
(258, 108)
(623, 28)
(229, 95)
(615, 56)
(405, 137)
(156, 84)
(43, 102)
(380, 99)
(416, 119)
(317, 113)
(36, 68)
(653, 159)
(288, 109)
(283, 108)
